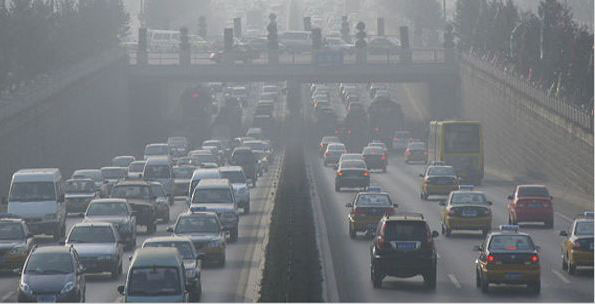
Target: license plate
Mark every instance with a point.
(513, 276)
(469, 213)
(407, 245)
(535, 205)
(46, 299)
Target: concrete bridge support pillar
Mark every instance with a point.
(445, 99)
(147, 113)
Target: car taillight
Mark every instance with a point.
(534, 259)
(366, 173)
(340, 173)
(491, 259)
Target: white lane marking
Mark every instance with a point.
(454, 280)
(561, 277)
(7, 296)
(563, 216)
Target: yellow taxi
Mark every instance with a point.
(16, 243)
(577, 246)
(466, 210)
(367, 209)
(508, 257)
(438, 180)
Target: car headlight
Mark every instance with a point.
(68, 287)
(26, 288)
(18, 250)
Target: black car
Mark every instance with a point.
(139, 196)
(52, 274)
(245, 158)
(403, 248)
(375, 158)
(352, 174)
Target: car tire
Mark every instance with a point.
(233, 235)
(375, 276)
(477, 279)
(351, 231)
(564, 264)
(430, 279)
(535, 287)
(485, 285)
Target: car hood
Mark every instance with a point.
(107, 218)
(94, 249)
(198, 236)
(79, 195)
(52, 283)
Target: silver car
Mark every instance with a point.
(239, 182)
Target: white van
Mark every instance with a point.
(37, 196)
(160, 169)
(157, 150)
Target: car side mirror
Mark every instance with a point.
(563, 233)
(421, 175)
(121, 289)
(489, 203)
(477, 248)
(170, 229)
(129, 258)
(349, 205)
(509, 197)
(395, 205)
(435, 234)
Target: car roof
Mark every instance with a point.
(80, 180)
(213, 183)
(113, 168)
(157, 161)
(156, 145)
(156, 256)
(202, 172)
(138, 162)
(124, 157)
(41, 174)
(108, 200)
(93, 224)
(52, 249)
(170, 238)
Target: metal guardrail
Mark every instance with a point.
(418, 55)
(561, 107)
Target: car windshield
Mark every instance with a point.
(131, 191)
(373, 200)
(184, 248)
(533, 191)
(406, 231)
(50, 263)
(441, 171)
(583, 228)
(234, 177)
(417, 146)
(114, 173)
(103, 209)
(243, 156)
(157, 150)
(78, 186)
(11, 231)
(197, 224)
(183, 172)
(91, 234)
(510, 243)
(32, 191)
(352, 164)
(468, 198)
(157, 171)
(154, 281)
(136, 167)
(212, 196)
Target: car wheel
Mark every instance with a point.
(477, 279)
(351, 231)
(564, 264)
(485, 285)
(535, 287)
(376, 276)
(430, 279)
(233, 235)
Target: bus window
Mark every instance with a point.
(462, 139)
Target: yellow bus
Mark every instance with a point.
(458, 144)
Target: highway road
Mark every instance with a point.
(236, 282)
(346, 262)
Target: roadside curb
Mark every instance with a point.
(330, 292)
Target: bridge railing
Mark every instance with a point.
(570, 112)
(417, 55)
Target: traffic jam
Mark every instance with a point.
(358, 147)
(152, 223)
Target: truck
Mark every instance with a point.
(385, 117)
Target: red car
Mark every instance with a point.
(531, 203)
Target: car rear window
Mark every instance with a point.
(406, 231)
(370, 200)
(441, 171)
(510, 243)
(533, 191)
(468, 198)
(357, 164)
(583, 228)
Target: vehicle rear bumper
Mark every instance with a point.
(581, 258)
(405, 266)
(352, 182)
(475, 223)
(432, 189)
(513, 277)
